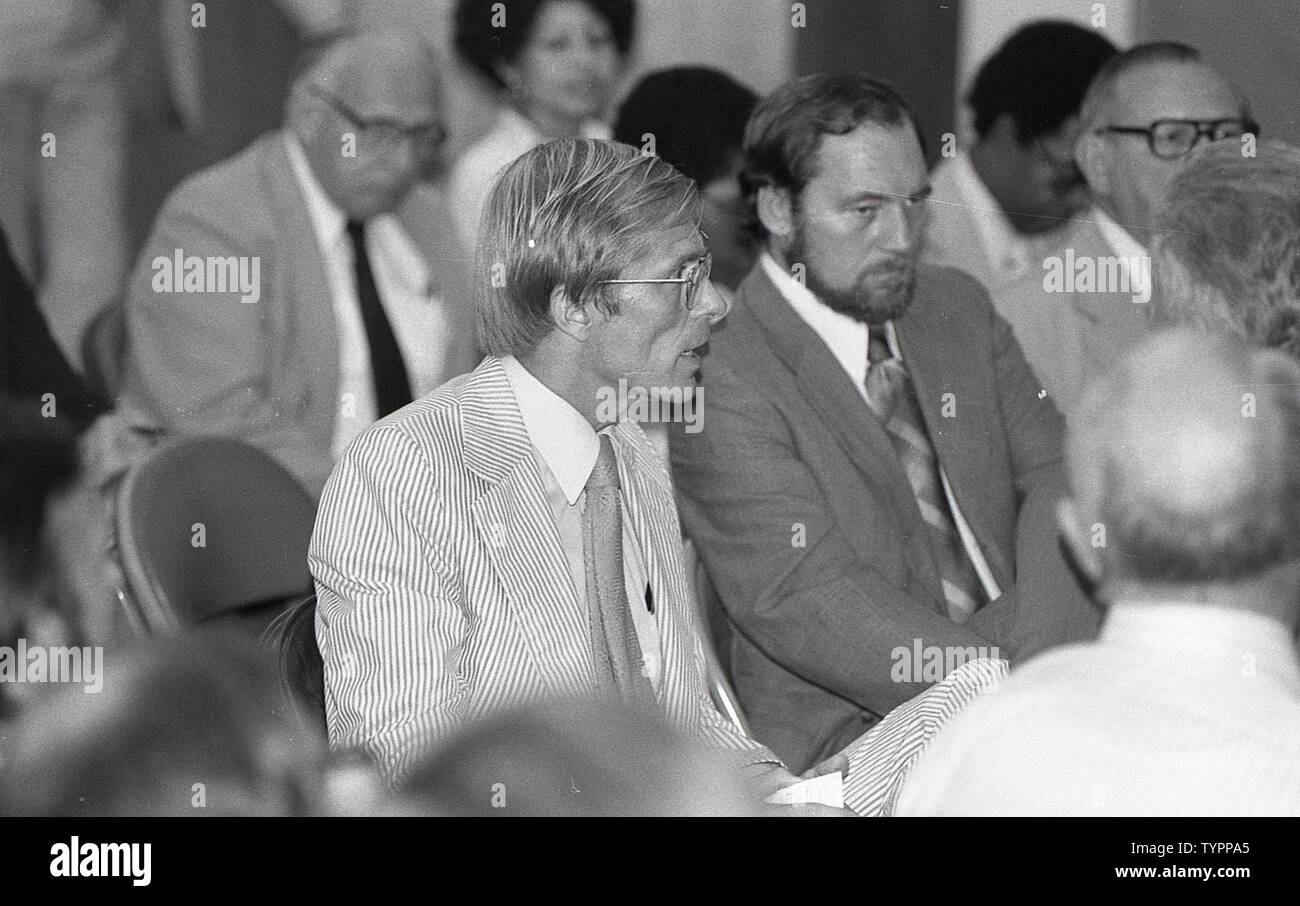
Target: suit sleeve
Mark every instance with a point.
(814, 607)
(390, 619)
(200, 362)
(1050, 606)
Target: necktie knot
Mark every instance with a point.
(605, 473)
(878, 347)
(356, 231)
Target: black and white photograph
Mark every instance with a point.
(651, 408)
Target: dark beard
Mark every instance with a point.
(862, 302)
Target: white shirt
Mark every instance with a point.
(475, 171)
(406, 290)
(566, 448)
(1120, 240)
(1176, 709)
(846, 337)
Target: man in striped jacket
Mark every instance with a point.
(512, 536)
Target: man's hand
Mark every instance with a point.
(765, 779)
(838, 762)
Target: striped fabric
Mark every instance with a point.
(444, 594)
(890, 393)
(881, 759)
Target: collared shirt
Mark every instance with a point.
(1120, 240)
(1000, 253)
(1176, 709)
(476, 169)
(406, 290)
(566, 448)
(846, 337)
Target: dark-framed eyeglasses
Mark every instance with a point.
(1172, 138)
(693, 277)
(385, 131)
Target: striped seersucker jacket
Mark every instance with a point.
(443, 590)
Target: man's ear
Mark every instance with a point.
(1092, 154)
(1078, 539)
(776, 210)
(569, 317)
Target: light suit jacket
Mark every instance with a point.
(444, 592)
(265, 372)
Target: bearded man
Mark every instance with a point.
(879, 466)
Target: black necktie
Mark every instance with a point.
(392, 386)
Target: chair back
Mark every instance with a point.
(211, 526)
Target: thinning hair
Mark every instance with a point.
(1233, 225)
(569, 214)
(785, 131)
(1100, 97)
(1188, 454)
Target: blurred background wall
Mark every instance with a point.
(230, 81)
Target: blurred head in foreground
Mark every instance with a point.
(1229, 260)
(187, 725)
(1185, 477)
(579, 758)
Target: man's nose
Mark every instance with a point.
(717, 302)
(896, 232)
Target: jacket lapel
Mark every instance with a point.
(518, 534)
(306, 306)
(828, 391)
(937, 368)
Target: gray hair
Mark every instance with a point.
(1100, 96)
(568, 214)
(1233, 226)
(1188, 454)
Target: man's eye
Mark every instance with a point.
(867, 210)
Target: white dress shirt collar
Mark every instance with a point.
(561, 435)
(845, 336)
(1120, 240)
(1186, 629)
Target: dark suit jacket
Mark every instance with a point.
(265, 372)
(812, 535)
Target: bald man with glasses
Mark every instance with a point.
(1144, 112)
(359, 305)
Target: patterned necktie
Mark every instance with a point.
(892, 398)
(615, 647)
(392, 386)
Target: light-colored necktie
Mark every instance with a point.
(615, 647)
(892, 398)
